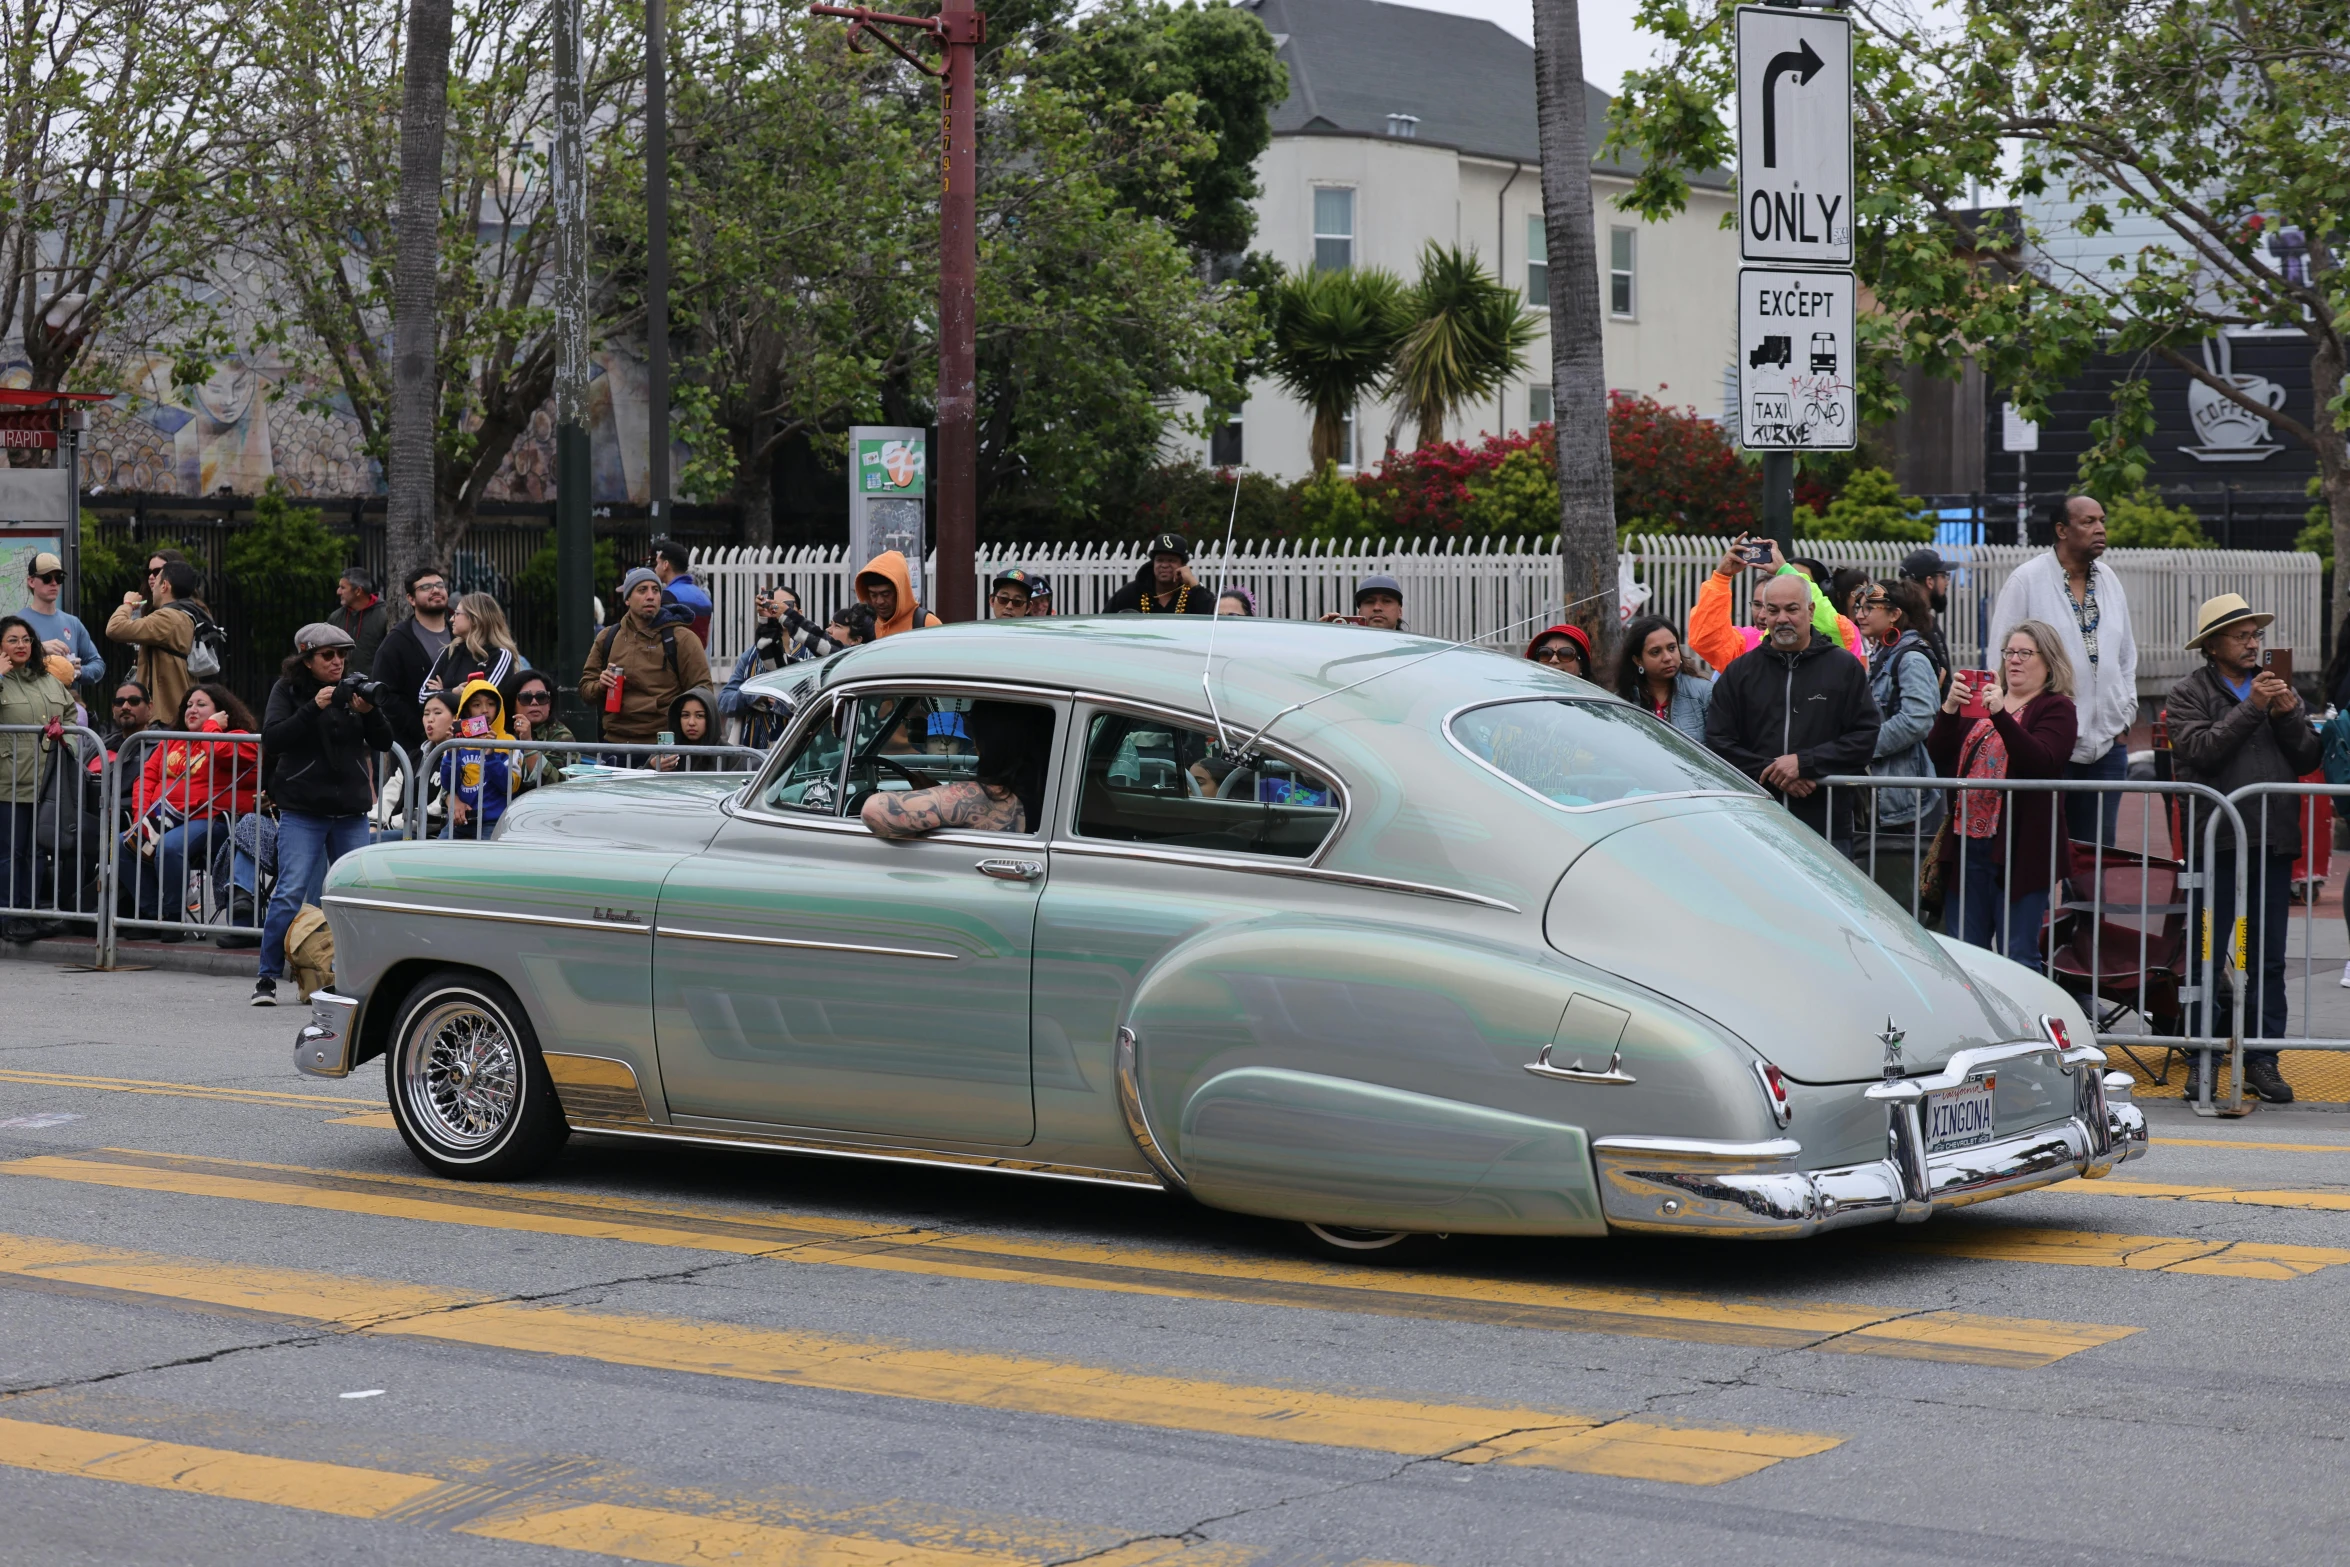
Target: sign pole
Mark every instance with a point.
(69, 535)
(656, 264)
(1778, 497)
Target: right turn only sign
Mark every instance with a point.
(1796, 361)
(1794, 136)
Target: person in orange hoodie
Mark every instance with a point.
(186, 798)
(1713, 638)
(885, 586)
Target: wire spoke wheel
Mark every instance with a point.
(1344, 1238)
(462, 1078)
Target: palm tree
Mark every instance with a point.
(1334, 340)
(1578, 378)
(1469, 336)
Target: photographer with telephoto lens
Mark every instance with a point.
(315, 741)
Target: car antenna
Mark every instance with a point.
(1224, 569)
(1250, 744)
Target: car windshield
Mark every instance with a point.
(1577, 753)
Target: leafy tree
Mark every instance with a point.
(1468, 337)
(1870, 507)
(1331, 506)
(2215, 133)
(1334, 338)
(1677, 471)
(2141, 521)
(280, 572)
(424, 113)
(114, 110)
(1519, 497)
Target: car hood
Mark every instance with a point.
(624, 808)
(1745, 915)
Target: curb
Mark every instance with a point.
(187, 957)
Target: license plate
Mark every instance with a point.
(1960, 1117)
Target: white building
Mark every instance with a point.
(1404, 126)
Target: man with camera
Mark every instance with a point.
(315, 740)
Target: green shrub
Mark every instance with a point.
(2140, 521)
(1330, 507)
(1871, 506)
(1520, 496)
(2317, 537)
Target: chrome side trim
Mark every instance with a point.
(877, 1154)
(642, 927)
(597, 1087)
(683, 934)
(1613, 1073)
(1698, 1149)
(323, 1048)
(1138, 1121)
(1296, 871)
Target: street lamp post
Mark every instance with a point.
(657, 260)
(959, 30)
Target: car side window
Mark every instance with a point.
(809, 784)
(1150, 781)
(904, 741)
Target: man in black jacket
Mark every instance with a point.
(1795, 710)
(315, 740)
(1166, 585)
(407, 653)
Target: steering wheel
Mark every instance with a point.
(914, 779)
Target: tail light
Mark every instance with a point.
(2058, 1035)
(1774, 1087)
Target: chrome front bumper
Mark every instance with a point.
(323, 1048)
(1669, 1185)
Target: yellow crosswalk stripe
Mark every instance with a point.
(1687, 1452)
(2138, 1253)
(636, 1533)
(135, 1085)
(2237, 1142)
(2249, 1197)
(815, 1240)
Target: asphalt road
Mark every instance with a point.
(237, 1324)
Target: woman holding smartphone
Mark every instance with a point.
(2006, 843)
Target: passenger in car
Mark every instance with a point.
(1005, 792)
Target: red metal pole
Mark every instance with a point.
(955, 595)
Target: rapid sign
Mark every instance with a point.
(1794, 136)
(1796, 361)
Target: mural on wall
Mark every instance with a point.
(247, 424)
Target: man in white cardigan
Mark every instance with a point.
(2073, 590)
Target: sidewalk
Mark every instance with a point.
(184, 957)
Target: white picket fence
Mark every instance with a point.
(1500, 591)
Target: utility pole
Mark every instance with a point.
(959, 30)
(657, 261)
(575, 544)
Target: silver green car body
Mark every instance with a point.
(1478, 1005)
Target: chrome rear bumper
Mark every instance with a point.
(1668, 1185)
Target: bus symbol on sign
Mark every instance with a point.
(1770, 408)
(1823, 352)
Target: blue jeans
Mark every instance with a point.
(163, 880)
(2091, 818)
(306, 846)
(1982, 888)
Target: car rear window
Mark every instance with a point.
(1576, 753)
(1150, 781)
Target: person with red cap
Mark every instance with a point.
(1566, 649)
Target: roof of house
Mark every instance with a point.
(1352, 63)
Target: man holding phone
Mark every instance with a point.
(2235, 722)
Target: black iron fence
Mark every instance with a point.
(2232, 517)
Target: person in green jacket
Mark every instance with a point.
(29, 696)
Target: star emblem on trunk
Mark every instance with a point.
(1891, 1038)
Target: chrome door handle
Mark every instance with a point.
(1011, 870)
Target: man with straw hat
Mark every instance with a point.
(2236, 722)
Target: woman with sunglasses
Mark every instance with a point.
(315, 740)
(534, 719)
(1566, 649)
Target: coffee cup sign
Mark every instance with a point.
(2230, 432)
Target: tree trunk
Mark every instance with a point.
(2333, 466)
(1322, 446)
(409, 534)
(1578, 375)
(754, 479)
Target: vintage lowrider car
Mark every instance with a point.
(1322, 923)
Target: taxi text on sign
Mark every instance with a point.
(1796, 361)
(1794, 136)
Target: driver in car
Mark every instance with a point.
(1004, 792)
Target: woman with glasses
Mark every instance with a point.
(185, 805)
(1566, 649)
(1649, 674)
(316, 738)
(534, 719)
(480, 648)
(2006, 843)
(29, 696)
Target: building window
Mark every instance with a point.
(1619, 272)
(1537, 263)
(1346, 441)
(1538, 405)
(1406, 126)
(1334, 228)
(1224, 445)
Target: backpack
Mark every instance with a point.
(668, 630)
(208, 653)
(2336, 758)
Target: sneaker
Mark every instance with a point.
(2268, 1082)
(2191, 1086)
(265, 992)
(2346, 976)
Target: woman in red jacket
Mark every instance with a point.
(2006, 844)
(187, 795)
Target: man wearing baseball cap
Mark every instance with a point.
(1378, 603)
(1931, 572)
(62, 635)
(1165, 585)
(2235, 722)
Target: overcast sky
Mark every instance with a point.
(1611, 44)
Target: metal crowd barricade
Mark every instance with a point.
(50, 846)
(2255, 937)
(2140, 954)
(431, 813)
